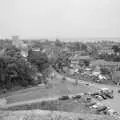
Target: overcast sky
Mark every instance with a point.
(60, 18)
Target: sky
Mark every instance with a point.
(60, 18)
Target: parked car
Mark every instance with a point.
(107, 92)
(112, 112)
(104, 96)
(96, 105)
(64, 97)
(90, 104)
(76, 97)
(101, 109)
(94, 94)
(98, 97)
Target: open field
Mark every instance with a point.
(56, 87)
(57, 105)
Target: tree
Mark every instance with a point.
(92, 50)
(116, 58)
(83, 47)
(39, 59)
(62, 60)
(116, 49)
(36, 44)
(78, 46)
(105, 71)
(15, 70)
(75, 46)
(87, 63)
(58, 43)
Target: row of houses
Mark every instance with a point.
(77, 60)
(106, 50)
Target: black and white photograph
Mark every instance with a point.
(59, 59)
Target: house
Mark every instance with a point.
(20, 45)
(79, 60)
(79, 53)
(106, 50)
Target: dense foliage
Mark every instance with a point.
(39, 59)
(62, 60)
(17, 70)
(14, 69)
(116, 49)
(105, 71)
(78, 46)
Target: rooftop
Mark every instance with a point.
(81, 58)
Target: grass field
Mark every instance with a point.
(55, 88)
(57, 105)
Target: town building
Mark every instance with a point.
(79, 60)
(20, 45)
(106, 50)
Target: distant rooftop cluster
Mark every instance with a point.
(5, 38)
(9, 38)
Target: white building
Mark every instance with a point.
(20, 45)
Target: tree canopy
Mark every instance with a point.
(39, 59)
(14, 69)
(116, 49)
